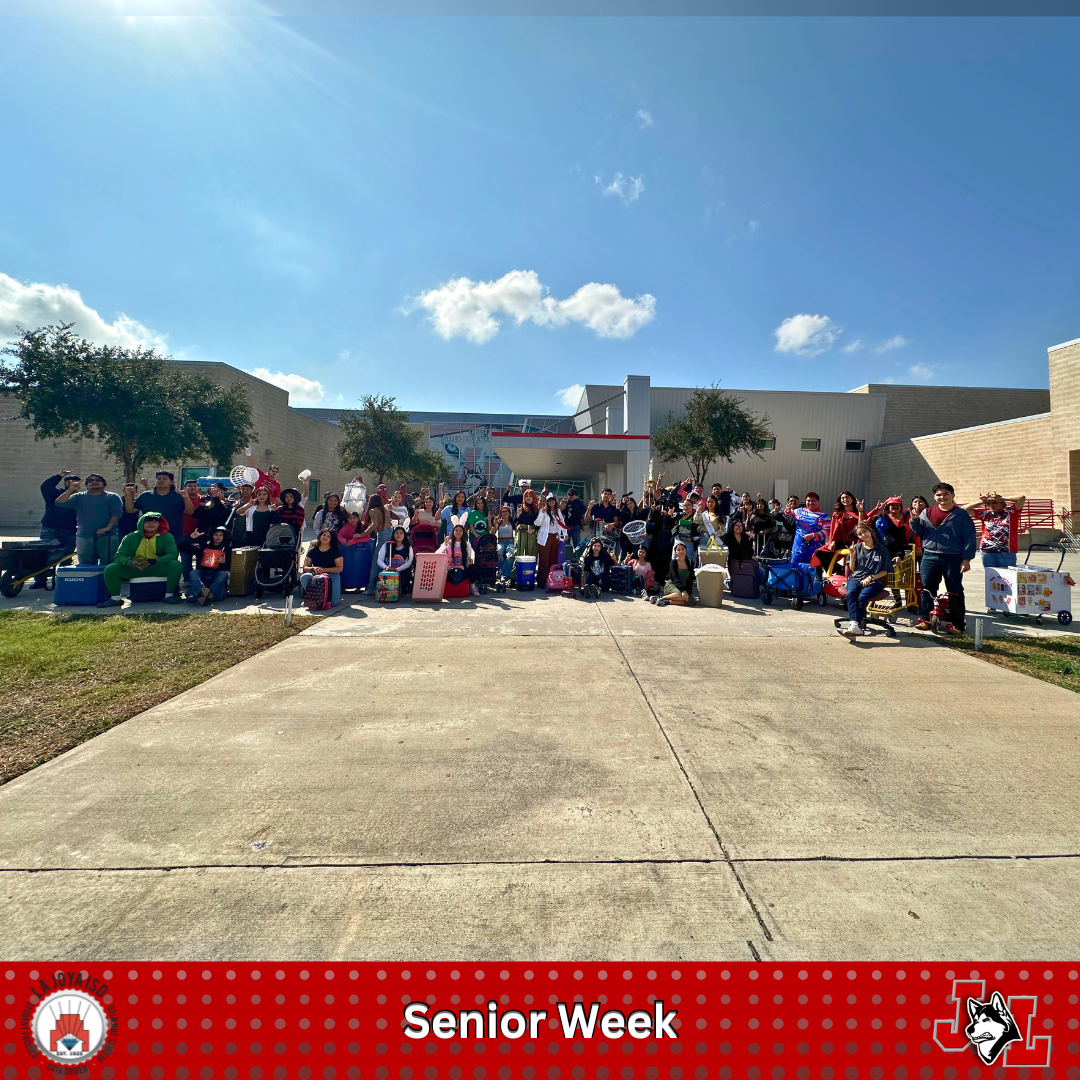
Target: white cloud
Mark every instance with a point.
(571, 395)
(301, 391)
(895, 342)
(627, 188)
(753, 225)
(36, 305)
(468, 309)
(645, 117)
(806, 335)
(921, 371)
(853, 346)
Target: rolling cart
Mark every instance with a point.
(1032, 591)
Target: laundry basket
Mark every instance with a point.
(429, 578)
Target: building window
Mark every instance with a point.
(856, 446)
(810, 444)
(194, 472)
(313, 492)
(766, 444)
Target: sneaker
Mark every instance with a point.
(951, 630)
(922, 624)
(113, 601)
(473, 590)
(176, 598)
(852, 630)
(662, 601)
(653, 599)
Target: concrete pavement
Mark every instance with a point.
(533, 777)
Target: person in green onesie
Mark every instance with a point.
(145, 552)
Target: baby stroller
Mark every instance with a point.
(486, 552)
(275, 567)
(424, 538)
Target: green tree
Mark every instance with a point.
(141, 411)
(378, 438)
(223, 415)
(714, 427)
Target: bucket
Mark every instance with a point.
(147, 590)
(80, 586)
(710, 585)
(526, 572)
(388, 587)
(356, 563)
(429, 578)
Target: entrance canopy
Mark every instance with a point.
(602, 460)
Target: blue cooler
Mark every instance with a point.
(147, 590)
(356, 564)
(526, 572)
(80, 586)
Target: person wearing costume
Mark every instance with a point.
(810, 528)
(149, 551)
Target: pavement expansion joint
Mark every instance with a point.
(686, 776)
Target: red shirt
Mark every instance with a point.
(937, 515)
(273, 487)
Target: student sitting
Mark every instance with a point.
(737, 541)
(210, 573)
(462, 564)
(595, 566)
(679, 588)
(324, 557)
(868, 569)
(149, 551)
(643, 577)
(397, 554)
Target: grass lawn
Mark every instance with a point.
(67, 678)
(1053, 659)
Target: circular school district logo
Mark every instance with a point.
(69, 1026)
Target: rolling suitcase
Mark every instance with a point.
(242, 571)
(745, 578)
(621, 579)
(556, 579)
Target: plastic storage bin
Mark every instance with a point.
(526, 572)
(147, 590)
(429, 576)
(710, 585)
(356, 564)
(80, 586)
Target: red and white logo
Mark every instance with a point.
(994, 1027)
(69, 1026)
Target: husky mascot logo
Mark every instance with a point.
(992, 1027)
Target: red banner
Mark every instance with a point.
(543, 1020)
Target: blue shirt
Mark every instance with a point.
(170, 506)
(94, 512)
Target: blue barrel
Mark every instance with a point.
(526, 572)
(356, 564)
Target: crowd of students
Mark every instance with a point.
(185, 534)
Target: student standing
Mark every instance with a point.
(550, 530)
(948, 542)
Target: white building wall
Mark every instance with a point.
(793, 416)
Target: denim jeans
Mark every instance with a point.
(932, 569)
(575, 537)
(94, 550)
(860, 596)
(998, 558)
(335, 585)
(506, 559)
(216, 580)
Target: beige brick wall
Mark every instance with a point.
(297, 442)
(911, 411)
(1065, 408)
(1016, 458)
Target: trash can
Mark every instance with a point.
(356, 563)
(710, 585)
(526, 572)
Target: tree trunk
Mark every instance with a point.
(129, 466)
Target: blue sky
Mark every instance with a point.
(773, 203)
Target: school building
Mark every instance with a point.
(875, 440)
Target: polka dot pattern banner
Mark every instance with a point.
(541, 1021)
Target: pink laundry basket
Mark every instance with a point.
(429, 578)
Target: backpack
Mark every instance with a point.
(317, 593)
